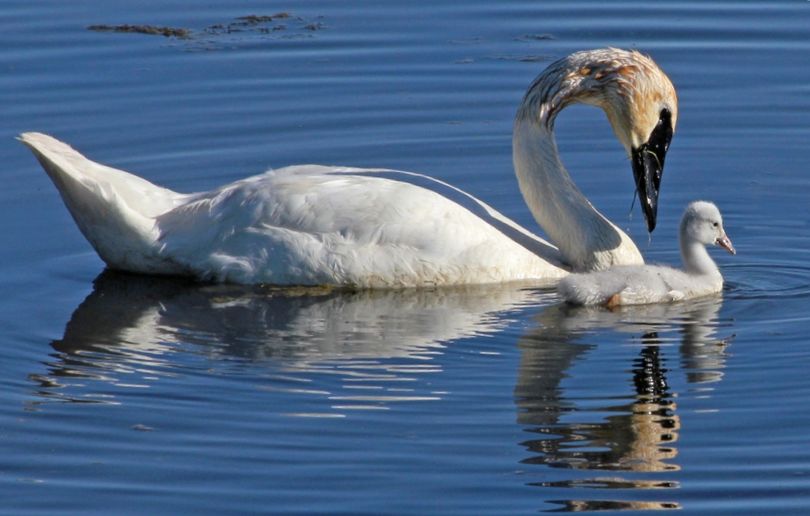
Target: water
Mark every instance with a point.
(123, 394)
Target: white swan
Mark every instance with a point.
(701, 225)
(313, 224)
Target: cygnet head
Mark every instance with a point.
(703, 224)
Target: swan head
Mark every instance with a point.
(638, 98)
(642, 107)
(703, 223)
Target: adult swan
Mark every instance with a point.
(314, 225)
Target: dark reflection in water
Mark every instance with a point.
(635, 434)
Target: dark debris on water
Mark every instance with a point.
(256, 23)
(254, 19)
(153, 30)
(252, 22)
(536, 37)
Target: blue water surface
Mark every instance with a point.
(123, 394)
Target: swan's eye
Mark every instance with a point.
(661, 135)
(715, 224)
(665, 120)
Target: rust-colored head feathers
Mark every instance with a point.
(626, 84)
(635, 94)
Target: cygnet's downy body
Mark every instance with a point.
(701, 225)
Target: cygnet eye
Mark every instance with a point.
(715, 224)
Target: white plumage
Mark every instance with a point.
(311, 224)
(701, 225)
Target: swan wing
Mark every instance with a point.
(312, 224)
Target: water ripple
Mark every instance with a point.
(767, 281)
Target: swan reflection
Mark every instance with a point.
(135, 326)
(596, 390)
(633, 433)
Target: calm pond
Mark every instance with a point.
(124, 394)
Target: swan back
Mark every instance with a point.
(312, 224)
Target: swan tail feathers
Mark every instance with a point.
(113, 209)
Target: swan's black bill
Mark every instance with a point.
(648, 167)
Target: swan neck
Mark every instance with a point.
(586, 239)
